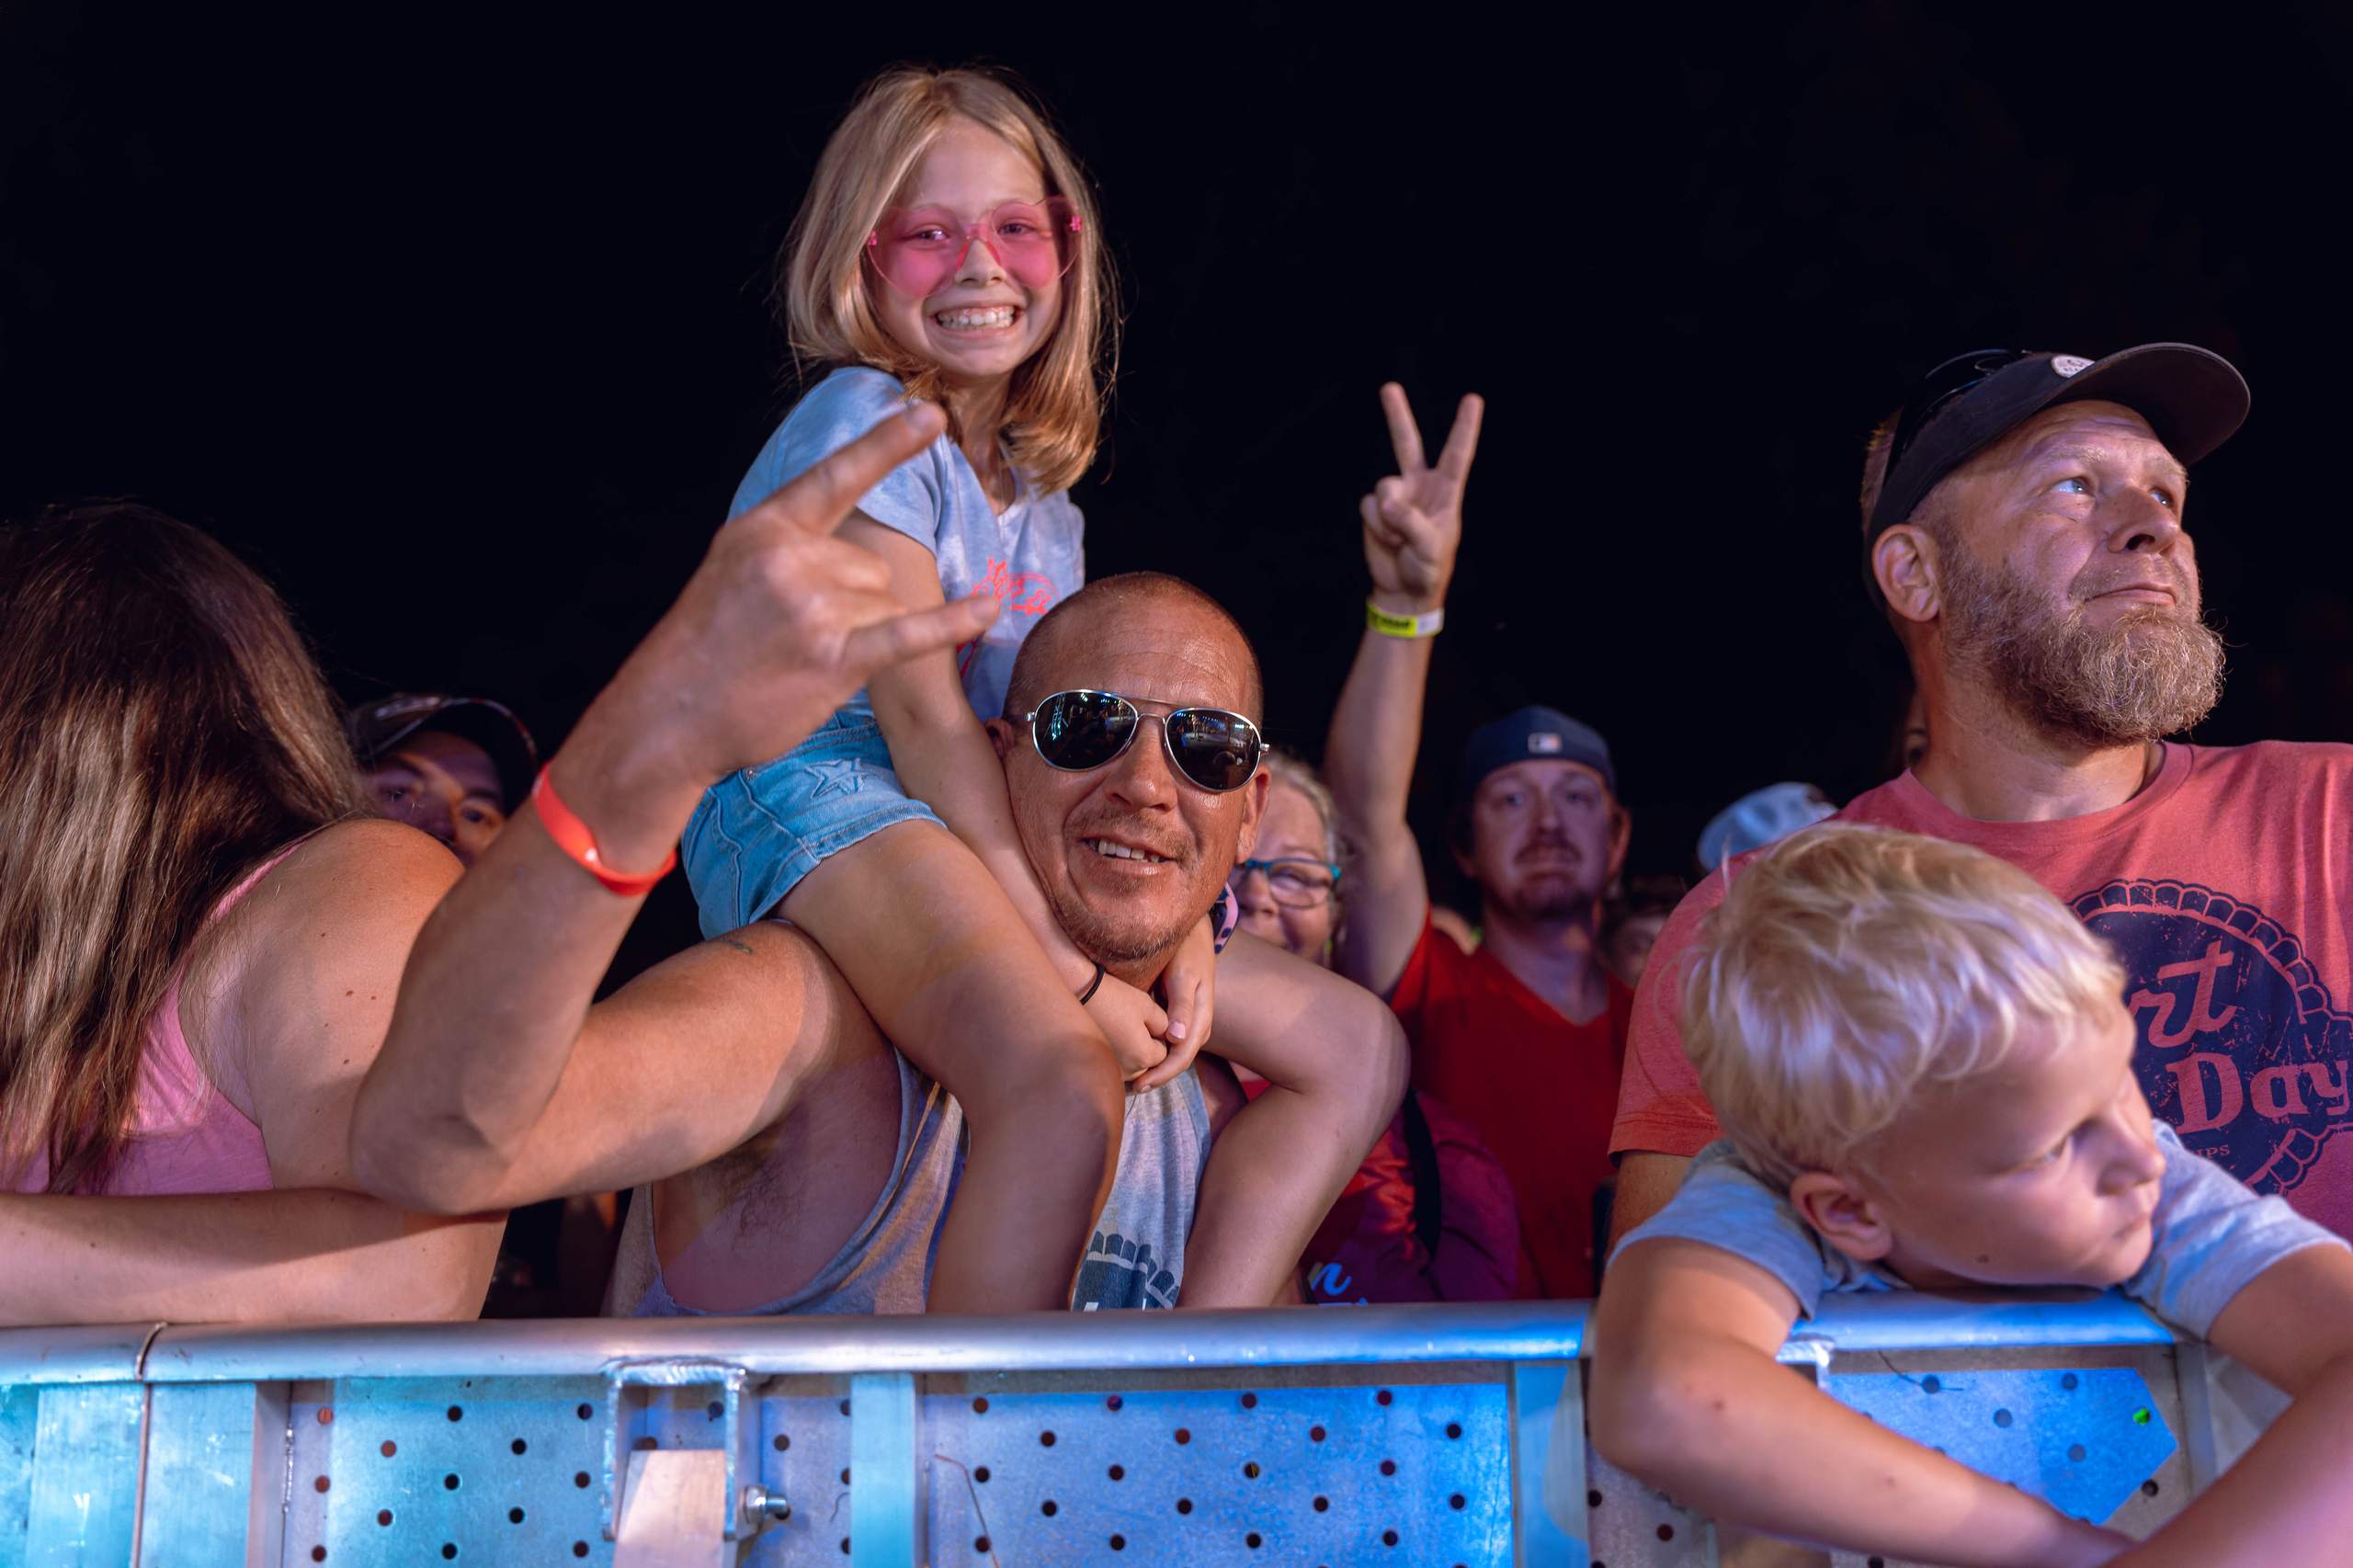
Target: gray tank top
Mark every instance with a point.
(1136, 1257)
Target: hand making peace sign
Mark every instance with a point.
(1413, 520)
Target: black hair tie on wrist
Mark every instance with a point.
(1092, 987)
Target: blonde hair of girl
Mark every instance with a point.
(1054, 405)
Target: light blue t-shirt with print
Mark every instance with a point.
(1030, 557)
(2213, 1235)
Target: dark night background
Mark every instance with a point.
(454, 324)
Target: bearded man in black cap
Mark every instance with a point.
(2024, 528)
(1524, 1038)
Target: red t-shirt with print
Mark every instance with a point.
(2225, 887)
(1536, 1088)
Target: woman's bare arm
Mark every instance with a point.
(316, 952)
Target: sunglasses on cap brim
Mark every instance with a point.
(1077, 732)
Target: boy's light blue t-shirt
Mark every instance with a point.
(1030, 557)
(2213, 1235)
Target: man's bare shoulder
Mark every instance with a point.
(746, 972)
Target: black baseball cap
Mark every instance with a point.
(2192, 398)
(377, 727)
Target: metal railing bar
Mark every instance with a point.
(106, 1353)
(1039, 1342)
(837, 1346)
(1915, 1320)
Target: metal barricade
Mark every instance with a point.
(1337, 1435)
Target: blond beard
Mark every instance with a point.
(2155, 673)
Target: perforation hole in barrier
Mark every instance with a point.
(512, 1477)
(1413, 1472)
(1625, 1518)
(491, 1471)
(2082, 1440)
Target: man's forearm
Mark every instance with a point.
(946, 761)
(2284, 1501)
(1369, 762)
(297, 1255)
(1377, 731)
(500, 981)
(1645, 1182)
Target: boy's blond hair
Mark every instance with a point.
(1054, 405)
(1851, 967)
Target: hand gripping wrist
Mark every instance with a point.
(1426, 624)
(573, 836)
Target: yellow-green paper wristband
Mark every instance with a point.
(1388, 625)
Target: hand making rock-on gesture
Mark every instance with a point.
(1413, 520)
(783, 622)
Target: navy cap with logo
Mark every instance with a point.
(376, 728)
(1532, 734)
(2193, 399)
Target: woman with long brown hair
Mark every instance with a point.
(200, 939)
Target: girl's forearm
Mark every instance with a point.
(294, 1255)
(944, 760)
(1335, 1061)
(1273, 1174)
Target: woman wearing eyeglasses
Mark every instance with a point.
(1429, 1216)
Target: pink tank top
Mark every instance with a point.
(184, 1135)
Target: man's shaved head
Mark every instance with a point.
(1131, 594)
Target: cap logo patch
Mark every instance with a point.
(2070, 364)
(1543, 742)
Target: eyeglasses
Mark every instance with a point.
(1940, 386)
(1293, 881)
(1080, 730)
(918, 249)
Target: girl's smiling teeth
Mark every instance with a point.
(1121, 852)
(977, 318)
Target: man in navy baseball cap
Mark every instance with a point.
(1532, 733)
(1538, 827)
(2027, 522)
(1523, 1037)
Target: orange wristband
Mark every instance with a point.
(572, 836)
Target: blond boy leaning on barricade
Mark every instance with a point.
(1924, 1071)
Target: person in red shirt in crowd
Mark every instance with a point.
(1524, 1036)
(2023, 523)
(1428, 1216)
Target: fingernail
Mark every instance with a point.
(919, 414)
(1176, 1031)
